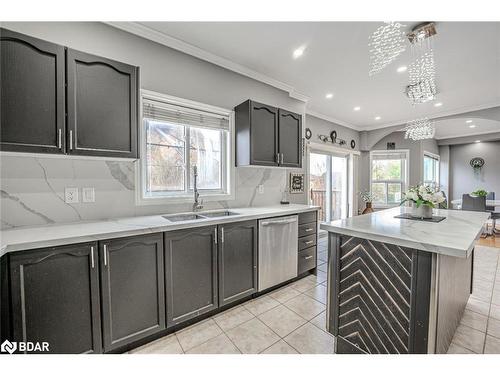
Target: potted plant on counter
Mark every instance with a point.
(367, 197)
(424, 199)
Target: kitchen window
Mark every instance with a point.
(388, 177)
(176, 136)
(431, 169)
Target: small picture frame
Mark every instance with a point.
(296, 183)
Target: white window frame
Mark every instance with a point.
(405, 172)
(180, 197)
(436, 157)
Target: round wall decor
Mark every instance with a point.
(308, 133)
(477, 163)
(353, 143)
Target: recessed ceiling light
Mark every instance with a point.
(438, 104)
(402, 69)
(329, 95)
(472, 126)
(298, 52)
(468, 121)
(378, 118)
(477, 141)
(357, 108)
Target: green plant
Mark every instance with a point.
(423, 195)
(479, 193)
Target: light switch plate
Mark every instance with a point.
(88, 195)
(71, 195)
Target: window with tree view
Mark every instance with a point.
(431, 170)
(178, 138)
(388, 177)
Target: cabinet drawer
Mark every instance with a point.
(307, 260)
(307, 217)
(307, 241)
(307, 229)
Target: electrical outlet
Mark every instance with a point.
(71, 195)
(260, 189)
(88, 195)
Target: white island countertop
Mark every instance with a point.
(454, 236)
(33, 237)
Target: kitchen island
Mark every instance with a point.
(398, 285)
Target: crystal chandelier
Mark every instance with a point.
(419, 129)
(422, 72)
(386, 44)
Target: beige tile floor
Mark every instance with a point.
(292, 319)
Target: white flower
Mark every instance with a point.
(438, 197)
(422, 189)
(427, 197)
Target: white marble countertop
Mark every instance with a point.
(453, 236)
(25, 238)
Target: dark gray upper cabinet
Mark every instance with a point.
(32, 94)
(102, 106)
(55, 298)
(237, 261)
(132, 288)
(191, 273)
(290, 139)
(267, 136)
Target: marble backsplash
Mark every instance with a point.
(32, 190)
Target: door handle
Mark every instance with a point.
(71, 139)
(92, 255)
(266, 223)
(59, 138)
(215, 235)
(105, 255)
(282, 157)
(222, 235)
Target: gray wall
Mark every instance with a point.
(462, 177)
(32, 189)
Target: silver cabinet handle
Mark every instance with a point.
(71, 139)
(308, 257)
(222, 235)
(308, 229)
(309, 242)
(92, 255)
(215, 235)
(59, 138)
(282, 157)
(105, 255)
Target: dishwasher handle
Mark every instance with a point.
(278, 222)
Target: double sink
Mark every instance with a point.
(198, 216)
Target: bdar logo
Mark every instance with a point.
(8, 346)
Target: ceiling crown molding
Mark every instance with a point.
(331, 119)
(179, 45)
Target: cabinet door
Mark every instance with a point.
(32, 94)
(290, 139)
(237, 261)
(55, 298)
(191, 273)
(264, 134)
(132, 284)
(102, 106)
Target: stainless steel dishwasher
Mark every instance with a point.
(278, 252)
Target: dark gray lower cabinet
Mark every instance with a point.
(55, 298)
(191, 273)
(237, 261)
(132, 288)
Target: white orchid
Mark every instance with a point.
(424, 195)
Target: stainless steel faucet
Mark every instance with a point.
(198, 203)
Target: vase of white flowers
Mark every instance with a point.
(424, 199)
(367, 197)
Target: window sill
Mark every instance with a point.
(181, 199)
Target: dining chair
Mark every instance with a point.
(475, 204)
(494, 215)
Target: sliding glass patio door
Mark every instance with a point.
(328, 185)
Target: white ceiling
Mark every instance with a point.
(467, 57)
(450, 128)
